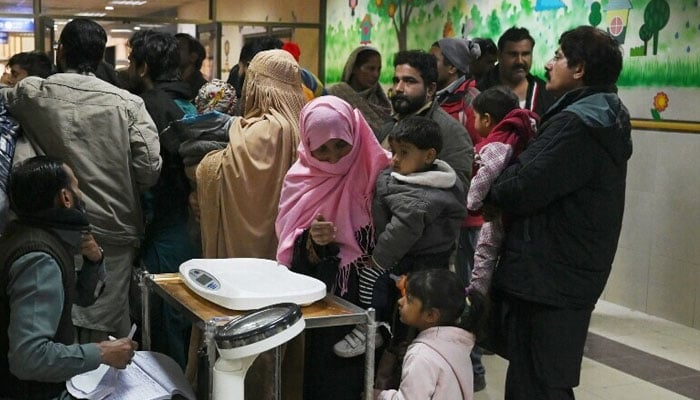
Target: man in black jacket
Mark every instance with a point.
(153, 71)
(565, 197)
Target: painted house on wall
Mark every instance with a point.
(616, 15)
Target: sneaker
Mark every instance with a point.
(353, 344)
(479, 383)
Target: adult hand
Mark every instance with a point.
(117, 353)
(90, 249)
(322, 232)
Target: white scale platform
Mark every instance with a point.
(249, 283)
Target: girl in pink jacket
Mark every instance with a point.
(437, 365)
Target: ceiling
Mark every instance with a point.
(96, 8)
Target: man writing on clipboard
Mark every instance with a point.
(39, 285)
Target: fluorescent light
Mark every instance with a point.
(120, 30)
(137, 28)
(109, 8)
(128, 2)
(91, 14)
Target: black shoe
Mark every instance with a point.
(479, 383)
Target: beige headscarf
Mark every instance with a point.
(373, 102)
(239, 187)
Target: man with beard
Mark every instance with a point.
(39, 285)
(513, 70)
(153, 72)
(413, 91)
(107, 135)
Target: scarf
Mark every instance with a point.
(67, 223)
(341, 192)
(372, 102)
(238, 188)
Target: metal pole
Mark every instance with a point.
(145, 310)
(278, 373)
(371, 328)
(209, 334)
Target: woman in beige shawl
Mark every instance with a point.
(361, 88)
(238, 188)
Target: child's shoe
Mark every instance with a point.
(354, 343)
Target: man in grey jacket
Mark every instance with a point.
(413, 92)
(106, 134)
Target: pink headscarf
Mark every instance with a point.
(341, 192)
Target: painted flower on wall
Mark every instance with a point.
(660, 105)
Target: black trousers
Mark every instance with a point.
(544, 347)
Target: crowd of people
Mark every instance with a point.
(472, 205)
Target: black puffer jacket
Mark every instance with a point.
(566, 195)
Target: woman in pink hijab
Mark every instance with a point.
(327, 194)
(324, 225)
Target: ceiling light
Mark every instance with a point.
(91, 14)
(120, 30)
(109, 8)
(128, 2)
(137, 28)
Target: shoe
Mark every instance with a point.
(354, 343)
(479, 383)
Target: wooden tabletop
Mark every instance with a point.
(323, 312)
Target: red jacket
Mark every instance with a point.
(458, 104)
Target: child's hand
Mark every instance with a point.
(322, 232)
(401, 284)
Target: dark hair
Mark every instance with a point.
(36, 63)
(441, 289)
(158, 50)
(514, 34)
(596, 50)
(425, 63)
(83, 42)
(487, 46)
(34, 184)
(193, 46)
(256, 45)
(444, 290)
(422, 132)
(107, 73)
(497, 101)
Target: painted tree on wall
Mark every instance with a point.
(595, 17)
(656, 16)
(399, 12)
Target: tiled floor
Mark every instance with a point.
(629, 355)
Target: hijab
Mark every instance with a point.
(239, 187)
(341, 192)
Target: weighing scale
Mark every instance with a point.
(240, 341)
(274, 293)
(249, 283)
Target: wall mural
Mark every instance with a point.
(660, 39)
